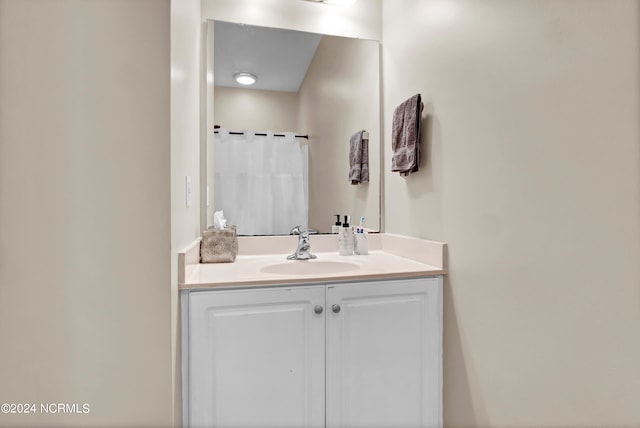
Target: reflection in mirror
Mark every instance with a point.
(260, 181)
(316, 92)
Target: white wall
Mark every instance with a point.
(532, 176)
(362, 20)
(186, 45)
(256, 109)
(84, 210)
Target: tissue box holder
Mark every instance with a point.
(219, 245)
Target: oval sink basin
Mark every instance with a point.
(309, 267)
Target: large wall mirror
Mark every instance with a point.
(313, 93)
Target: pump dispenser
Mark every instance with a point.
(345, 238)
(336, 227)
(360, 245)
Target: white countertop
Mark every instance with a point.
(250, 270)
(391, 256)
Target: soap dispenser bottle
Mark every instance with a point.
(336, 227)
(345, 238)
(360, 245)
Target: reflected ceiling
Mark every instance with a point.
(279, 58)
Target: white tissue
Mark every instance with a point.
(219, 222)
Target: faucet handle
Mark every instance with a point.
(297, 230)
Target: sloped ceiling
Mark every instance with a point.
(280, 58)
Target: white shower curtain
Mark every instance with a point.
(260, 182)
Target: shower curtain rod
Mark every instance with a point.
(263, 134)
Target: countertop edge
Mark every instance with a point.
(310, 281)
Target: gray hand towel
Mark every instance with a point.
(405, 136)
(358, 158)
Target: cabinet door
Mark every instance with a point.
(384, 354)
(257, 358)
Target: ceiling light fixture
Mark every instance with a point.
(245, 78)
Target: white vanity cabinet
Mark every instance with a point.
(256, 358)
(362, 354)
(384, 354)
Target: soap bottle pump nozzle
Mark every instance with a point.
(346, 221)
(338, 220)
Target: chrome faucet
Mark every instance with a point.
(303, 251)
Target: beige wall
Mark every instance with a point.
(532, 177)
(84, 210)
(238, 109)
(186, 45)
(339, 96)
